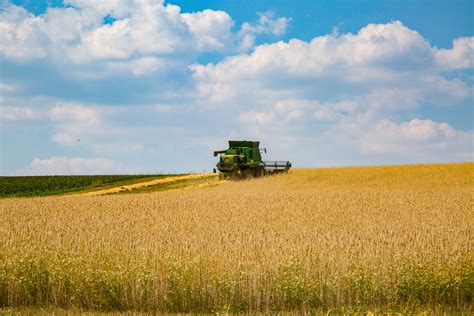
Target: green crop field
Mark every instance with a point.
(50, 185)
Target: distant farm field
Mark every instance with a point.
(52, 185)
(395, 238)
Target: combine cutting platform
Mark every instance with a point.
(276, 166)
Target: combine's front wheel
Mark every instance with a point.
(258, 172)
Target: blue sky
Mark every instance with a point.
(145, 86)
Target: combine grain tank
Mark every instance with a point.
(243, 160)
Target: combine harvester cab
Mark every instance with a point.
(243, 160)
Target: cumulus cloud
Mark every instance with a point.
(418, 136)
(375, 47)
(461, 56)
(133, 86)
(72, 166)
(144, 35)
(18, 36)
(381, 59)
(151, 29)
(116, 8)
(344, 92)
(77, 33)
(267, 24)
(211, 29)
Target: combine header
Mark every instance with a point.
(243, 160)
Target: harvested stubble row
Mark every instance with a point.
(314, 238)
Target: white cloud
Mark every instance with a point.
(342, 98)
(375, 48)
(65, 139)
(342, 93)
(267, 24)
(211, 29)
(73, 122)
(299, 109)
(73, 166)
(144, 35)
(394, 98)
(150, 29)
(139, 66)
(19, 38)
(417, 136)
(386, 66)
(15, 113)
(77, 34)
(285, 111)
(461, 56)
(117, 8)
(70, 113)
(108, 41)
(105, 129)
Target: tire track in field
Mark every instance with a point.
(129, 187)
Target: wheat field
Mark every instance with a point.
(375, 238)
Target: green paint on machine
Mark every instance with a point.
(243, 160)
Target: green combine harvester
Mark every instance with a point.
(243, 160)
